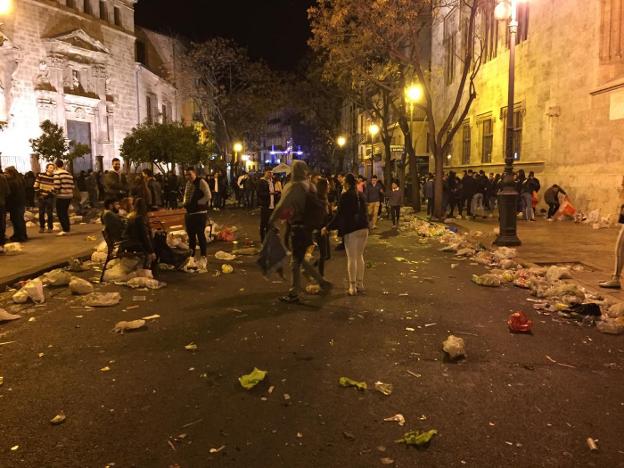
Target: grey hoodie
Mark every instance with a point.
(292, 204)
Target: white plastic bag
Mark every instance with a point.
(6, 316)
(57, 278)
(13, 248)
(454, 347)
(121, 270)
(34, 291)
(143, 282)
(103, 299)
(221, 255)
(80, 286)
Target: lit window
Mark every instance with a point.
(487, 137)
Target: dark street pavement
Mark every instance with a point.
(517, 400)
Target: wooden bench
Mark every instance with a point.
(165, 220)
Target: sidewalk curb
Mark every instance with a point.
(9, 280)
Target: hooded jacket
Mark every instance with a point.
(292, 203)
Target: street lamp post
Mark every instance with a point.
(508, 196)
(341, 141)
(373, 129)
(413, 94)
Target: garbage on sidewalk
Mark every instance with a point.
(58, 419)
(7, 317)
(32, 290)
(489, 280)
(399, 418)
(221, 255)
(518, 322)
(124, 326)
(144, 282)
(611, 326)
(227, 269)
(384, 388)
(13, 248)
(347, 382)
(249, 381)
(102, 299)
(417, 438)
(454, 347)
(80, 286)
(56, 278)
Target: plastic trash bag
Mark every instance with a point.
(273, 255)
(13, 248)
(80, 286)
(20, 297)
(123, 326)
(518, 322)
(555, 273)
(611, 326)
(143, 282)
(252, 379)
(227, 234)
(454, 347)
(246, 251)
(347, 382)
(221, 255)
(616, 310)
(227, 269)
(121, 269)
(502, 253)
(34, 291)
(489, 280)
(57, 278)
(98, 257)
(103, 299)
(7, 317)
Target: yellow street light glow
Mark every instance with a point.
(245, 157)
(238, 147)
(413, 93)
(373, 129)
(341, 141)
(6, 6)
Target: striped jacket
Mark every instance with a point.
(44, 185)
(63, 184)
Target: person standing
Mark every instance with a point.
(374, 195)
(196, 201)
(322, 192)
(29, 185)
(614, 282)
(4, 194)
(16, 204)
(528, 188)
(44, 188)
(292, 208)
(469, 189)
(396, 202)
(551, 197)
(64, 191)
(429, 191)
(81, 183)
(351, 219)
(92, 188)
(173, 189)
(266, 200)
(115, 182)
(454, 193)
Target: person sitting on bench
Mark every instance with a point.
(112, 222)
(137, 236)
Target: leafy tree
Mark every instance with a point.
(165, 145)
(53, 145)
(383, 44)
(233, 94)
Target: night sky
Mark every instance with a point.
(275, 30)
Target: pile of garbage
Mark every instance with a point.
(554, 294)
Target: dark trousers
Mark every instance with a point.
(46, 208)
(300, 240)
(195, 228)
(430, 206)
(324, 251)
(552, 209)
(395, 212)
(62, 211)
(172, 199)
(2, 225)
(16, 213)
(265, 215)
(467, 203)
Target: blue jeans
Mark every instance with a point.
(527, 206)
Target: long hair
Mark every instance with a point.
(139, 207)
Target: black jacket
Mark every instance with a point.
(351, 214)
(264, 193)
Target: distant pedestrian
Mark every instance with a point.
(266, 200)
(395, 200)
(528, 189)
(16, 204)
(92, 188)
(374, 195)
(322, 240)
(196, 201)
(29, 186)
(429, 192)
(551, 197)
(614, 282)
(64, 191)
(44, 188)
(351, 219)
(115, 182)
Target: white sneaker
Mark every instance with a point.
(62, 233)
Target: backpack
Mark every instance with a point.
(315, 213)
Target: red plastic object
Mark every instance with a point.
(518, 322)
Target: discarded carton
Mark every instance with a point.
(454, 347)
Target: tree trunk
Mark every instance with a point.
(387, 163)
(438, 208)
(414, 176)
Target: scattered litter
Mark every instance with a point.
(191, 347)
(58, 419)
(518, 322)
(139, 298)
(386, 461)
(591, 443)
(80, 286)
(227, 268)
(6, 316)
(313, 289)
(399, 418)
(14, 448)
(102, 299)
(489, 280)
(384, 388)
(252, 379)
(1, 381)
(221, 255)
(150, 317)
(454, 347)
(559, 363)
(123, 326)
(347, 382)
(216, 450)
(417, 438)
(56, 278)
(611, 326)
(142, 282)
(31, 319)
(105, 369)
(32, 290)
(13, 248)
(90, 238)
(410, 329)
(555, 273)
(76, 266)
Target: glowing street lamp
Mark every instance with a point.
(6, 6)
(373, 130)
(413, 94)
(341, 141)
(507, 10)
(238, 148)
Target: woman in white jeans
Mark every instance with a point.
(614, 282)
(352, 220)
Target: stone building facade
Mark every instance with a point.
(569, 99)
(75, 62)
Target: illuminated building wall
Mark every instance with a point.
(569, 111)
